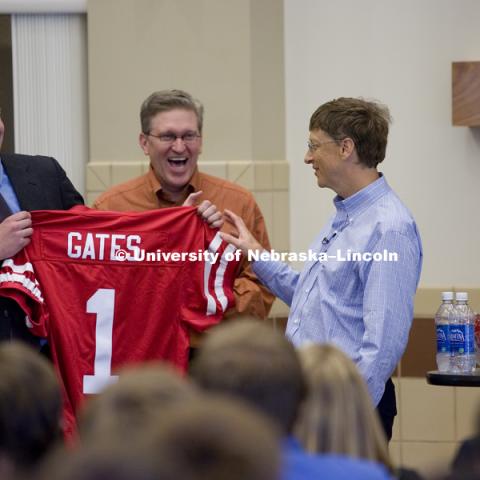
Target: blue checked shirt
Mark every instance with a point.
(364, 307)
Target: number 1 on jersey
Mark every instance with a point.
(102, 302)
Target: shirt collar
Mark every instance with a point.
(352, 206)
(156, 186)
(195, 180)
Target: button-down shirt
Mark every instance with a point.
(6, 189)
(365, 306)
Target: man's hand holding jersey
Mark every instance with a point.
(15, 233)
(206, 210)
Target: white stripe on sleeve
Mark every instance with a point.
(213, 247)
(219, 291)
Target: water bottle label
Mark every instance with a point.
(443, 340)
(461, 339)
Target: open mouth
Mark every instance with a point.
(177, 162)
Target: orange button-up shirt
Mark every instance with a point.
(145, 193)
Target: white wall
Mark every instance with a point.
(399, 52)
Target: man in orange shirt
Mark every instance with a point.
(171, 136)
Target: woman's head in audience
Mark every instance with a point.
(338, 415)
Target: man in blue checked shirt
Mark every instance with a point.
(361, 299)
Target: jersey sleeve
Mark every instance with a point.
(18, 282)
(209, 291)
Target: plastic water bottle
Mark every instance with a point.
(462, 342)
(443, 318)
(476, 328)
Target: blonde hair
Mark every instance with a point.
(338, 415)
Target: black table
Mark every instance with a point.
(435, 377)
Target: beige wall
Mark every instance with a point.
(227, 53)
(431, 423)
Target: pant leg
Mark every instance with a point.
(387, 408)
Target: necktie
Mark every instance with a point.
(4, 209)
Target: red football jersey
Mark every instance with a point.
(114, 288)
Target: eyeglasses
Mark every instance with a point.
(313, 146)
(188, 138)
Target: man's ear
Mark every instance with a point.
(348, 147)
(143, 142)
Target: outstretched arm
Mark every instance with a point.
(277, 276)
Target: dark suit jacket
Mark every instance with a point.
(40, 183)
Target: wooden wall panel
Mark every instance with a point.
(466, 94)
(419, 357)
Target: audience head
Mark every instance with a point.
(205, 438)
(250, 360)
(338, 415)
(216, 439)
(101, 461)
(125, 408)
(30, 407)
(366, 123)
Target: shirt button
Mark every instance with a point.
(307, 290)
(296, 321)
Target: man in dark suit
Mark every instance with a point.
(26, 183)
